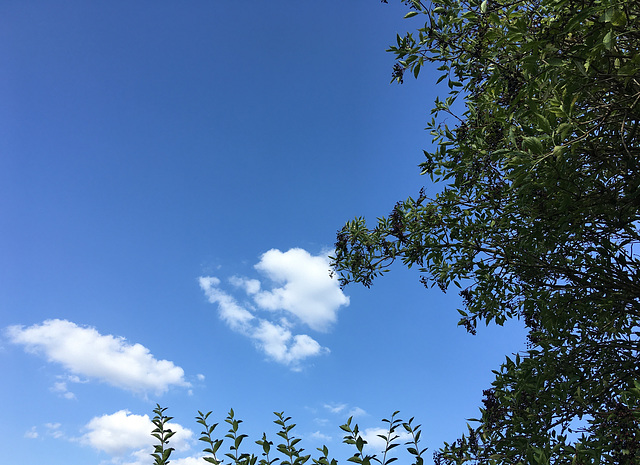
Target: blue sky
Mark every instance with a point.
(172, 176)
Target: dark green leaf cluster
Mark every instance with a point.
(289, 450)
(538, 216)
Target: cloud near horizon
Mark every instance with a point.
(303, 292)
(126, 436)
(376, 444)
(84, 351)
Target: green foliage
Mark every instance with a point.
(162, 434)
(214, 444)
(236, 441)
(288, 448)
(290, 452)
(537, 217)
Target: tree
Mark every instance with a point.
(537, 217)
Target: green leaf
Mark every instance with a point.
(608, 40)
(616, 17)
(411, 14)
(544, 124)
(533, 144)
(619, 18)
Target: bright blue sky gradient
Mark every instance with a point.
(144, 145)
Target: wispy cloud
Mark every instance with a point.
(54, 430)
(274, 339)
(60, 387)
(302, 292)
(335, 408)
(237, 317)
(84, 351)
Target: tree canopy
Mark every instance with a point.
(537, 156)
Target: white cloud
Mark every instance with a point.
(83, 351)
(250, 286)
(320, 437)
(123, 433)
(143, 457)
(196, 460)
(32, 433)
(119, 433)
(376, 444)
(139, 457)
(279, 344)
(307, 290)
(274, 339)
(303, 290)
(357, 412)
